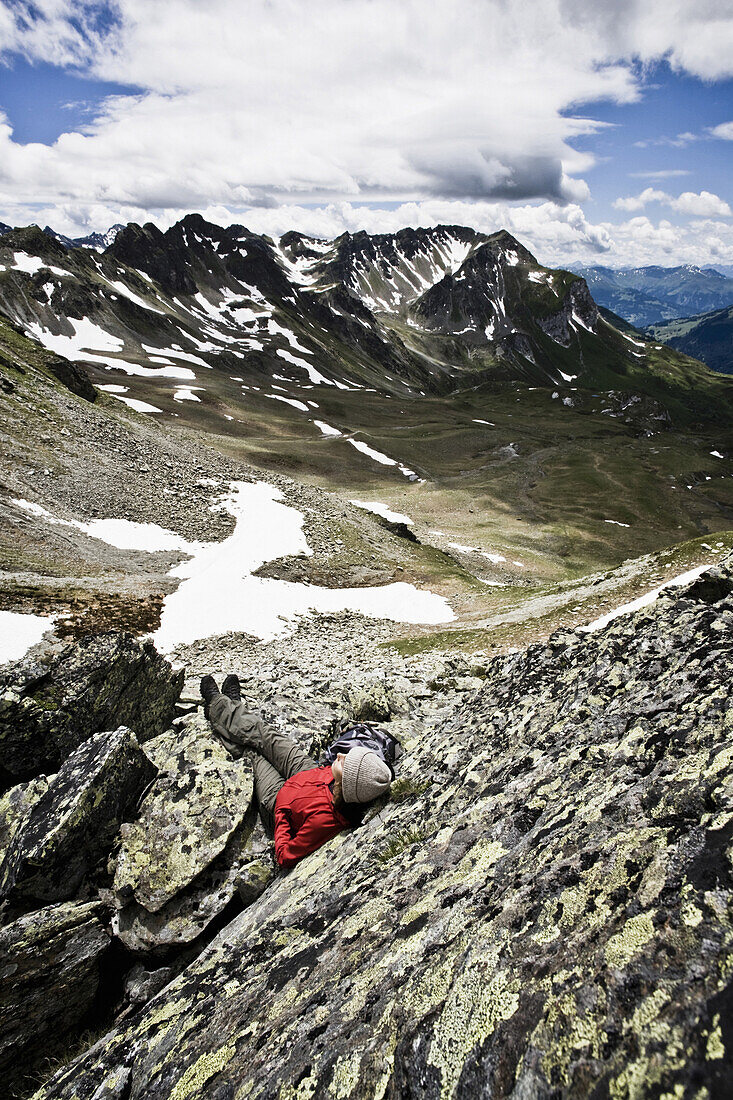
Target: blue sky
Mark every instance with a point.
(587, 132)
(42, 100)
(643, 138)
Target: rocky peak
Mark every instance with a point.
(35, 242)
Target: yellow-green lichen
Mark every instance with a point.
(190, 1085)
(715, 1048)
(345, 1076)
(637, 932)
(478, 1002)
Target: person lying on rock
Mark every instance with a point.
(301, 804)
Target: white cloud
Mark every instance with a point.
(724, 131)
(661, 174)
(697, 204)
(370, 99)
(457, 113)
(558, 235)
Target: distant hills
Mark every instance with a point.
(97, 241)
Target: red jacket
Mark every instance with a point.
(305, 817)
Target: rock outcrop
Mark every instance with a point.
(73, 824)
(194, 846)
(49, 965)
(99, 683)
(542, 910)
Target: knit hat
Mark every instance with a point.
(366, 776)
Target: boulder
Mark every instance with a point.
(99, 682)
(372, 701)
(184, 823)
(49, 966)
(74, 823)
(74, 377)
(548, 917)
(243, 870)
(194, 845)
(15, 808)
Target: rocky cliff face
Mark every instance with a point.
(542, 909)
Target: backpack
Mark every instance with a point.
(365, 736)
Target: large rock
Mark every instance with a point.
(15, 809)
(243, 870)
(549, 917)
(97, 683)
(184, 823)
(49, 971)
(194, 845)
(74, 823)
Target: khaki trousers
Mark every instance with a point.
(274, 755)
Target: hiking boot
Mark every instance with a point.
(208, 689)
(232, 688)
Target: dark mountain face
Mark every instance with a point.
(708, 337)
(646, 296)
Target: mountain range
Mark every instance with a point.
(646, 296)
(708, 337)
(417, 312)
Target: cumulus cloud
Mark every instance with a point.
(271, 101)
(724, 131)
(697, 204)
(558, 235)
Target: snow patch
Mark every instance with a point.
(315, 376)
(218, 593)
(326, 429)
(124, 534)
(288, 401)
(19, 632)
(138, 406)
(647, 598)
(383, 510)
(495, 558)
(127, 293)
(383, 459)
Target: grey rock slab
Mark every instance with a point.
(245, 867)
(49, 974)
(549, 916)
(75, 822)
(185, 821)
(97, 683)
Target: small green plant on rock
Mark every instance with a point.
(404, 788)
(402, 839)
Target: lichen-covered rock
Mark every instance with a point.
(244, 868)
(374, 700)
(549, 917)
(195, 844)
(185, 821)
(49, 973)
(74, 823)
(15, 807)
(97, 683)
